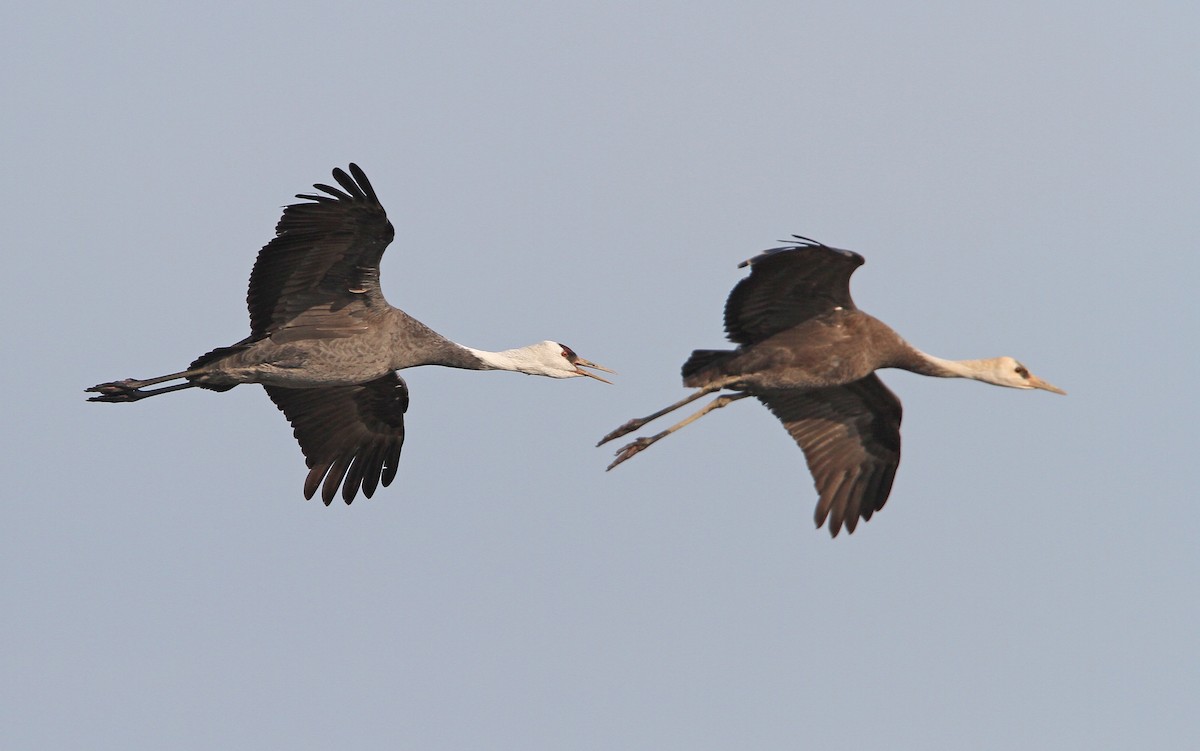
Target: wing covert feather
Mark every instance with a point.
(788, 286)
(325, 255)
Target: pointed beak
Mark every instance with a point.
(1038, 383)
(581, 363)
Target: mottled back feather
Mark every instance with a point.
(786, 287)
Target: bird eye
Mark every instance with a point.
(1021, 371)
(567, 352)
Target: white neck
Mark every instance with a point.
(998, 371)
(978, 370)
(517, 360)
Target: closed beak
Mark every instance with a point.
(1038, 383)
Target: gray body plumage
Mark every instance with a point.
(809, 355)
(317, 313)
(389, 340)
(325, 344)
(835, 348)
(816, 375)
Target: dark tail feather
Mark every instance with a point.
(210, 357)
(701, 359)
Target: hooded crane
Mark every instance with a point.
(325, 344)
(808, 354)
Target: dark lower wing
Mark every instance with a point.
(850, 436)
(350, 435)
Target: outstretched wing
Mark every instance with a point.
(788, 286)
(321, 272)
(851, 439)
(350, 435)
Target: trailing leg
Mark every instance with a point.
(629, 450)
(636, 423)
(130, 389)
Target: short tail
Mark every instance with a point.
(701, 359)
(210, 357)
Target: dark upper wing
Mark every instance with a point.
(324, 259)
(350, 432)
(851, 438)
(787, 286)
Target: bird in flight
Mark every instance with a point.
(326, 345)
(809, 355)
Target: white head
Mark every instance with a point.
(1005, 371)
(551, 359)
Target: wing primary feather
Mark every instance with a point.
(837, 501)
(315, 197)
(372, 468)
(354, 478)
(391, 464)
(361, 178)
(337, 472)
(313, 479)
(350, 186)
(372, 459)
(339, 195)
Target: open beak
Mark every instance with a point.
(581, 363)
(1038, 383)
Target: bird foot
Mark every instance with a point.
(625, 429)
(117, 391)
(630, 450)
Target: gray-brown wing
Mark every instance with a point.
(788, 286)
(350, 435)
(851, 439)
(324, 260)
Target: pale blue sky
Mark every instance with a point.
(1022, 179)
